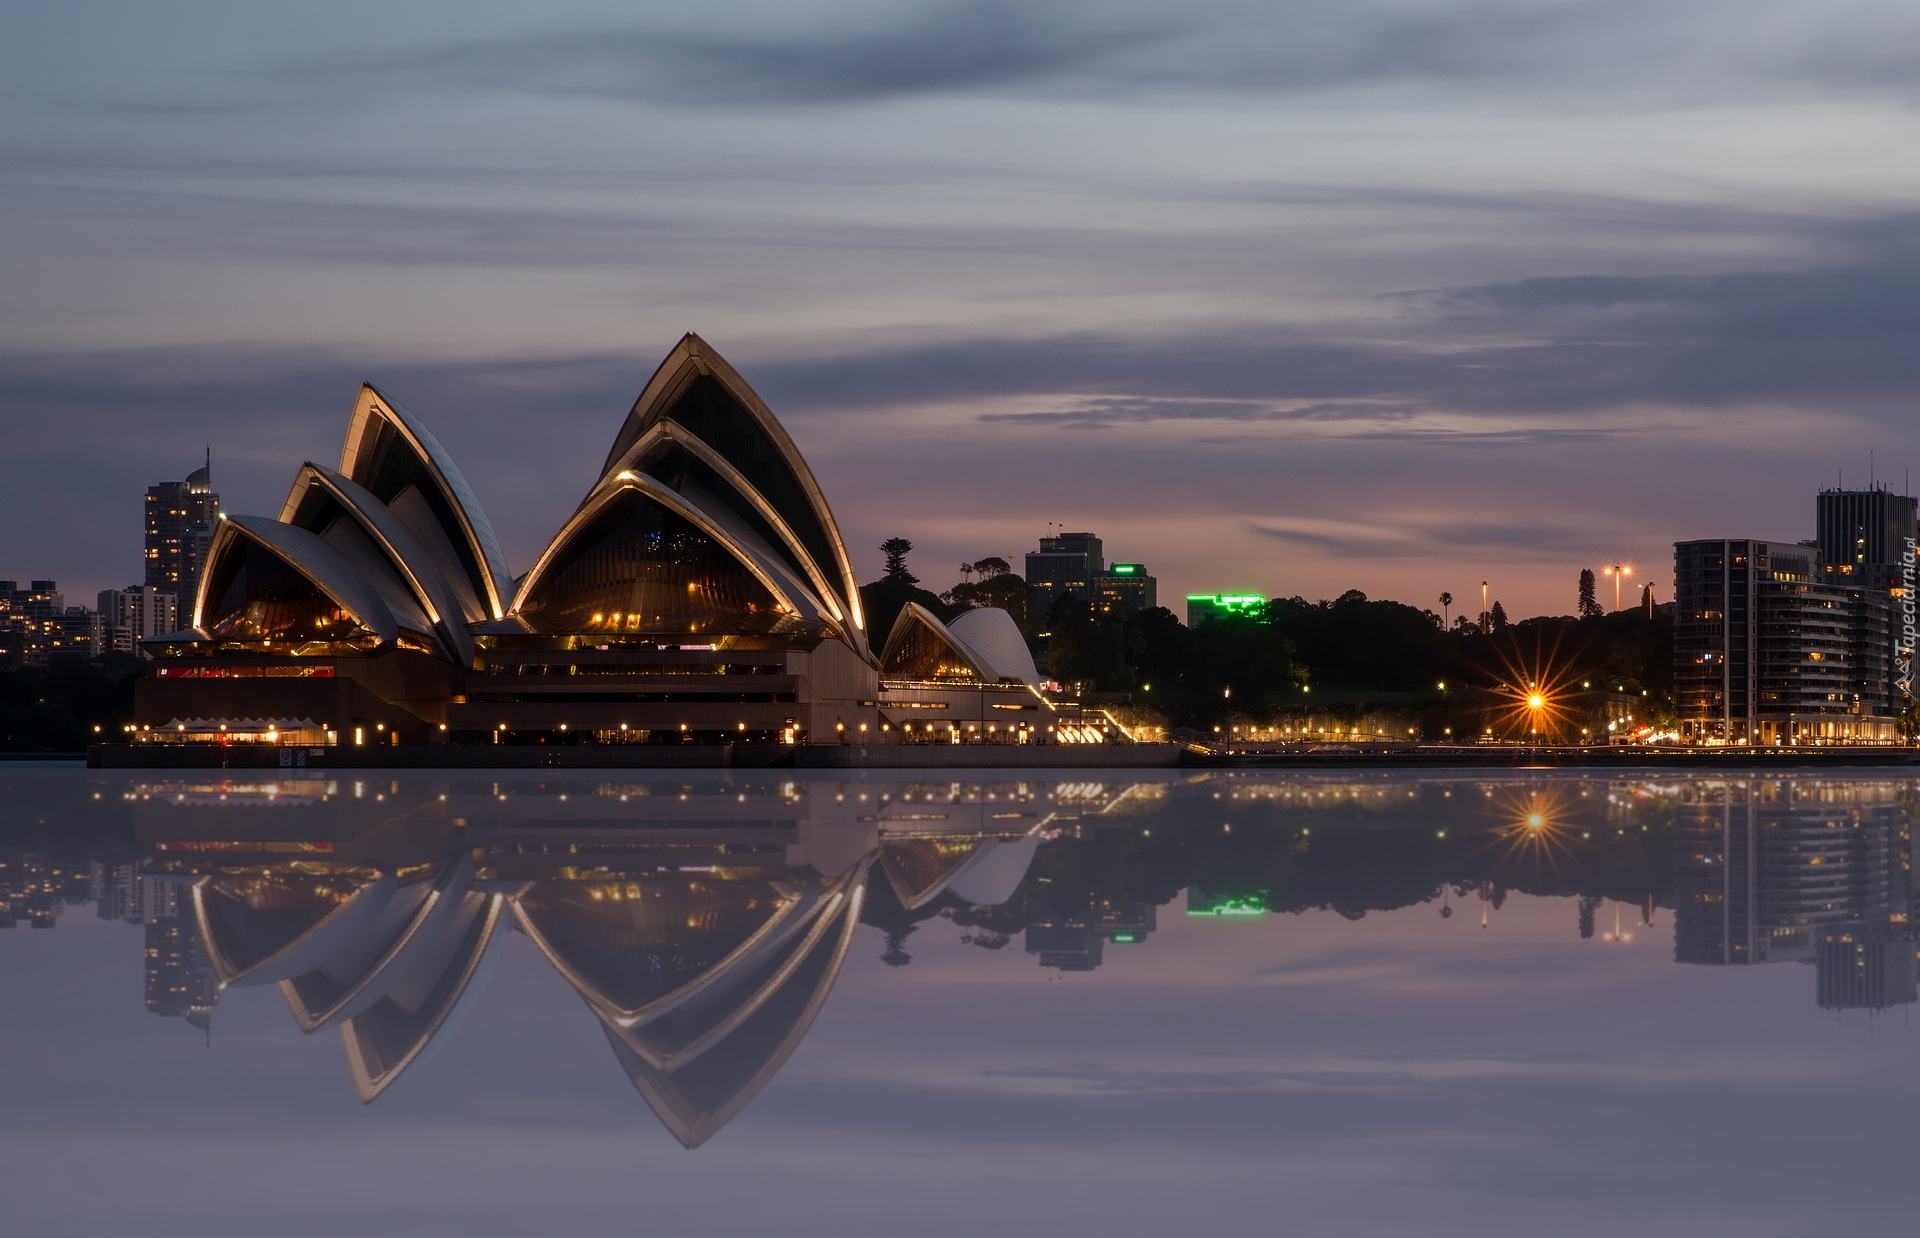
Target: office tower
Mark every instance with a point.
(1064, 566)
(1766, 870)
(1764, 654)
(120, 894)
(1126, 585)
(180, 520)
(1862, 536)
(73, 633)
(1865, 967)
(130, 615)
(24, 615)
(1866, 540)
(179, 978)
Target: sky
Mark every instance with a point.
(1280, 298)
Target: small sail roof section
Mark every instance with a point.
(920, 867)
(689, 467)
(408, 928)
(992, 633)
(428, 999)
(991, 876)
(347, 516)
(392, 455)
(637, 557)
(267, 580)
(634, 949)
(699, 1089)
(698, 391)
(261, 928)
(920, 647)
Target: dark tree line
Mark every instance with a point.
(57, 708)
(1254, 666)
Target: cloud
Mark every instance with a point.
(948, 49)
(1586, 50)
(1099, 412)
(1424, 535)
(1548, 348)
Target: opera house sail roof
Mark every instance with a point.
(700, 593)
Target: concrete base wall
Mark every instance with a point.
(636, 756)
(990, 756)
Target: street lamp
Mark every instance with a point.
(1616, 571)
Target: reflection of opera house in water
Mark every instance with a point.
(703, 929)
(700, 594)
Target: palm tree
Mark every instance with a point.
(1446, 609)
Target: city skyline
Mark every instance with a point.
(1419, 301)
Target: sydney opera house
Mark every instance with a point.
(703, 931)
(701, 594)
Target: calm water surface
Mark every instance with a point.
(1470, 1003)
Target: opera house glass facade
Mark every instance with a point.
(701, 593)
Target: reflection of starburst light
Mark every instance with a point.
(1533, 829)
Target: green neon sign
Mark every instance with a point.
(1229, 603)
(1245, 905)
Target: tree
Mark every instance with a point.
(991, 582)
(1588, 906)
(897, 549)
(1646, 599)
(1589, 605)
(884, 599)
(1446, 610)
(1357, 642)
(1497, 617)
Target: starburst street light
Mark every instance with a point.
(1617, 571)
(1535, 692)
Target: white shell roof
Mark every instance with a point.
(991, 632)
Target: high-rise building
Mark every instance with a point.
(179, 977)
(1127, 585)
(1766, 870)
(1862, 536)
(1765, 654)
(1064, 566)
(180, 520)
(1866, 967)
(130, 615)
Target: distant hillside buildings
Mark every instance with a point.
(1074, 565)
(36, 624)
